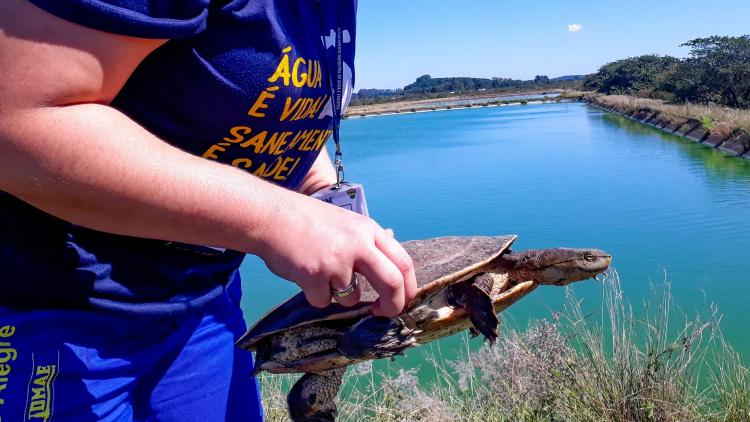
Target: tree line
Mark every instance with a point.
(428, 87)
(427, 83)
(717, 71)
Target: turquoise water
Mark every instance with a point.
(557, 175)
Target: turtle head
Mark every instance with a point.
(561, 266)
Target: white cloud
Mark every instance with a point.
(575, 27)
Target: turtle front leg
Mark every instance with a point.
(313, 397)
(474, 296)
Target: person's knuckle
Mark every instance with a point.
(392, 281)
(364, 226)
(405, 263)
(308, 267)
(324, 268)
(339, 257)
(340, 280)
(315, 300)
(365, 236)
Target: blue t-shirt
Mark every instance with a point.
(242, 82)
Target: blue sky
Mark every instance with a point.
(398, 40)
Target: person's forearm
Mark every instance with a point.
(91, 165)
(321, 175)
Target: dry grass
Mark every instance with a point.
(613, 365)
(722, 120)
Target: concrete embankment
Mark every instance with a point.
(442, 104)
(735, 142)
(355, 115)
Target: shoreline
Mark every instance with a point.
(428, 105)
(450, 108)
(735, 143)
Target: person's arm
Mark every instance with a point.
(322, 174)
(64, 150)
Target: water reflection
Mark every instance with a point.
(716, 162)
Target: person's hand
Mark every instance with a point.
(320, 246)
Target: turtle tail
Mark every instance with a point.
(262, 353)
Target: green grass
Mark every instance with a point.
(707, 123)
(656, 364)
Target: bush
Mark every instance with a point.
(717, 71)
(630, 76)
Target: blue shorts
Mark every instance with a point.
(68, 365)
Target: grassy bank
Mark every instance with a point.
(715, 119)
(724, 128)
(434, 104)
(652, 364)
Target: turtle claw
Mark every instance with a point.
(474, 332)
(492, 338)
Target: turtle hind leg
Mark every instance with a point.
(474, 296)
(313, 397)
(376, 337)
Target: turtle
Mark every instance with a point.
(464, 282)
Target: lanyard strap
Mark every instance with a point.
(337, 88)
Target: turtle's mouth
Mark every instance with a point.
(598, 266)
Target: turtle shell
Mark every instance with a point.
(437, 262)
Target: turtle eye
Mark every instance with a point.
(588, 256)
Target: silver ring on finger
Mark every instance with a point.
(346, 291)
